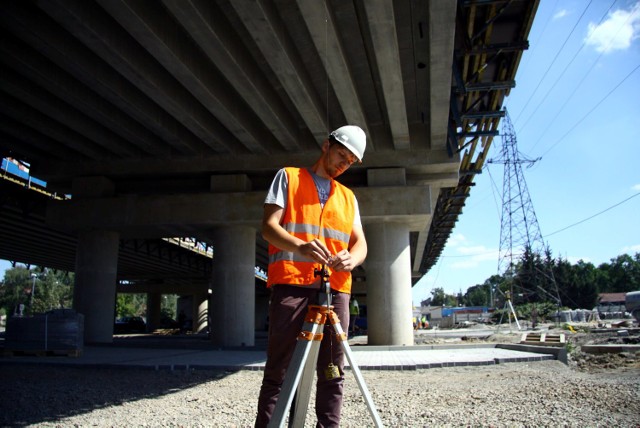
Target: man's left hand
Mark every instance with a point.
(342, 262)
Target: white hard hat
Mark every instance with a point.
(353, 138)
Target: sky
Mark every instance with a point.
(576, 107)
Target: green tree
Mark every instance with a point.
(624, 274)
(602, 278)
(564, 275)
(533, 281)
(15, 290)
(478, 295)
(51, 290)
(169, 306)
(578, 285)
(496, 285)
(549, 289)
(131, 304)
(585, 285)
(525, 277)
(440, 298)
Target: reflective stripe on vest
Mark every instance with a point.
(305, 219)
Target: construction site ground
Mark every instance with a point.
(593, 389)
(614, 344)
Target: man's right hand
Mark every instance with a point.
(316, 250)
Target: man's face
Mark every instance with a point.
(338, 159)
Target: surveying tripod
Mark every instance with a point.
(507, 304)
(299, 377)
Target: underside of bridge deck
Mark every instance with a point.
(177, 99)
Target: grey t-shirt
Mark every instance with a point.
(278, 192)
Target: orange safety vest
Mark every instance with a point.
(306, 219)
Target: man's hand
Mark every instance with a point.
(342, 262)
(317, 251)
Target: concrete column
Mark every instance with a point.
(154, 313)
(94, 293)
(200, 312)
(232, 309)
(388, 266)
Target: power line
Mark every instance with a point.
(591, 111)
(557, 231)
(584, 77)
(545, 97)
(552, 62)
(494, 190)
(471, 255)
(595, 215)
(534, 44)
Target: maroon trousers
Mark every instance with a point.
(287, 311)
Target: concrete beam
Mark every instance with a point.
(442, 28)
(414, 161)
(132, 214)
(410, 205)
(321, 26)
(161, 36)
(120, 58)
(128, 213)
(382, 24)
(206, 24)
(264, 25)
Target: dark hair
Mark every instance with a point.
(333, 140)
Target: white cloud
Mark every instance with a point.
(465, 264)
(472, 250)
(470, 256)
(631, 249)
(456, 239)
(636, 187)
(560, 14)
(616, 32)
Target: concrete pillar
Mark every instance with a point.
(233, 286)
(200, 312)
(154, 311)
(389, 303)
(94, 293)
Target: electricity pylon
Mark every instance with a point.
(520, 237)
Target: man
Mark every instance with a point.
(310, 220)
(354, 311)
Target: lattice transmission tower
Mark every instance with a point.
(522, 258)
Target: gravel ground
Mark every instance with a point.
(593, 390)
(546, 393)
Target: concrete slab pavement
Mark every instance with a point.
(203, 358)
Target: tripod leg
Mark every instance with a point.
(308, 339)
(502, 316)
(342, 337)
(303, 392)
(514, 314)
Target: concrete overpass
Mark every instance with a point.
(169, 119)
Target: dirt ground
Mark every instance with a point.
(590, 362)
(620, 332)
